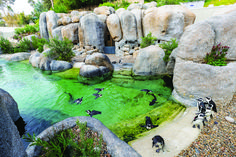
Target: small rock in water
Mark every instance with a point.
(229, 119)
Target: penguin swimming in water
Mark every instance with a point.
(200, 118)
(211, 104)
(93, 112)
(99, 89)
(146, 90)
(149, 124)
(71, 97)
(97, 95)
(158, 142)
(79, 100)
(153, 101)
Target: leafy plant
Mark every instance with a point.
(168, 47)
(107, 4)
(217, 55)
(65, 143)
(61, 50)
(148, 40)
(58, 8)
(6, 46)
(39, 43)
(23, 46)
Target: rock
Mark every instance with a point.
(167, 22)
(75, 13)
(194, 44)
(51, 18)
(120, 10)
(78, 64)
(103, 18)
(138, 15)
(135, 6)
(60, 65)
(90, 71)
(171, 64)
(225, 32)
(99, 59)
(193, 80)
(45, 61)
(91, 31)
(60, 15)
(56, 33)
(66, 20)
(29, 37)
(113, 25)
(20, 56)
(150, 61)
(71, 32)
(115, 146)
(34, 59)
(231, 120)
(149, 5)
(11, 144)
(43, 26)
(104, 10)
(75, 19)
(129, 26)
(135, 54)
(59, 22)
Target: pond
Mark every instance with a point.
(42, 100)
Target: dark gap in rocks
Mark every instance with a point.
(20, 124)
(168, 81)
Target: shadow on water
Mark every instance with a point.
(35, 124)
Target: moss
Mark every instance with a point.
(94, 80)
(68, 74)
(25, 61)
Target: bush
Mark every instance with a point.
(6, 46)
(39, 43)
(61, 50)
(107, 4)
(217, 55)
(65, 143)
(23, 46)
(168, 2)
(148, 40)
(58, 8)
(28, 29)
(168, 47)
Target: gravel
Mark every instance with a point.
(218, 137)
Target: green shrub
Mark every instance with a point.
(6, 46)
(217, 55)
(123, 4)
(148, 40)
(23, 46)
(61, 50)
(168, 2)
(2, 24)
(168, 47)
(107, 4)
(39, 43)
(60, 8)
(65, 143)
(27, 30)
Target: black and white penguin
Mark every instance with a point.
(149, 124)
(99, 89)
(211, 104)
(147, 91)
(153, 101)
(97, 95)
(79, 100)
(158, 142)
(93, 112)
(201, 105)
(198, 120)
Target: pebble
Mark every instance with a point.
(229, 119)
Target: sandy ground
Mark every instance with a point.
(178, 135)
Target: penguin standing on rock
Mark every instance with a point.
(200, 118)
(201, 105)
(158, 142)
(211, 104)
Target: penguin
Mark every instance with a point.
(153, 101)
(209, 113)
(200, 118)
(99, 89)
(146, 90)
(158, 142)
(78, 101)
(201, 105)
(71, 97)
(97, 95)
(149, 124)
(93, 112)
(211, 103)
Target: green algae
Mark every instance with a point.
(68, 74)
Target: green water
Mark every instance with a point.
(40, 96)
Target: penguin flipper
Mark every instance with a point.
(154, 126)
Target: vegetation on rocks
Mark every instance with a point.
(217, 55)
(148, 40)
(168, 47)
(6, 46)
(39, 43)
(23, 46)
(116, 5)
(27, 30)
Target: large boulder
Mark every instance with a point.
(135, 6)
(138, 15)
(129, 26)
(167, 22)
(45, 61)
(60, 65)
(90, 71)
(71, 32)
(149, 5)
(34, 59)
(104, 10)
(20, 56)
(150, 61)
(113, 25)
(56, 33)
(43, 26)
(51, 18)
(66, 20)
(99, 59)
(91, 31)
(11, 144)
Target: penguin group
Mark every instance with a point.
(79, 101)
(205, 112)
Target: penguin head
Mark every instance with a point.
(200, 99)
(208, 99)
(147, 117)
